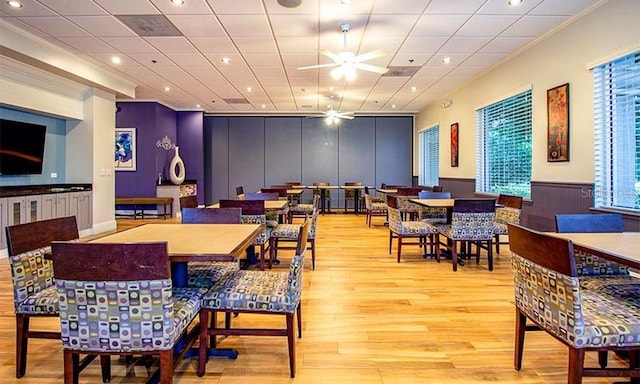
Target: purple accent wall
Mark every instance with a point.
(191, 138)
(152, 122)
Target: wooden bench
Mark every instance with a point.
(139, 203)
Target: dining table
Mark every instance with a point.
(621, 247)
(268, 205)
(356, 194)
(323, 193)
(191, 242)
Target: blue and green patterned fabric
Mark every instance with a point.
(505, 215)
(291, 231)
(582, 318)
(124, 315)
(33, 283)
(207, 273)
(408, 228)
(470, 226)
(263, 238)
(270, 291)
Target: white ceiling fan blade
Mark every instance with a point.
(371, 68)
(318, 66)
(369, 55)
(331, 55)
(346, 116)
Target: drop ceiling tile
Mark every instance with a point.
(190, 7)
(130, 44)
(170, 45)
(395, 25)
(222, 46)
(533, 26)
(25, 27)
(422, 45)
(256, 45)
(29, 8)
(485, 59)
(55, 26)
(128, 7)
(190, 59)
(261, 60)
(295, 45)
(562, 8)
(458, 45)
(502, 7)
(440, 7)
(410, 59)
(216, 59)
(486, 25)
(197, 25)
(244, 7)
(336, 8)
(389, 44)
(304, 25)
(245, 25)
(102, 26)
(505, 45)
(438, 25)
(89, 45)
(66, 7)
(415, 7)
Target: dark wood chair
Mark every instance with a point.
(509, 212)
(325, 195)
(553, 306)
(253, 212)
(211, 215)
(243, 292)
(437, 188)
(407, 207)
(33, 278)
(188, 202)
(350, 195)
(405, 230)
(282, 192)
(239, 190)
(93, 270)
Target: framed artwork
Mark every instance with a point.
(558, 123)
(454, 144)
(125, 149)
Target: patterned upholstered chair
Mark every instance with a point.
(303, 210)
(271, 215)
(350, 194)
(406, 207)
(549, 294)
(206, 273)
(472, 221)
(257, 292)
(117, 299)
(283, 213)
(325, 195)
(402, 230)
(433, 215)
(34, 292)
(290, 232)
(239, 191)
(253, 213)
(374, 206)
(294, 199)
(509, 212)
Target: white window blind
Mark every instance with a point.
(617, 133)
(503, 146)
(428, 158)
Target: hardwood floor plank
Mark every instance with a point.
(366, 319)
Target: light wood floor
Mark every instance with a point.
(366, 319)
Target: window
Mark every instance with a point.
(428, 142)
(503, 146)
(617, 133)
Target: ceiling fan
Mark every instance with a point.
(332, 116)
(346, 62)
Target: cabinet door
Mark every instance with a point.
(15, 210)
(49, 206)
(80, 206)
(62, 204)
(33, 208)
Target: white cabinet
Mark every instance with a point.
(81, 206)
(24, 209)
(55, 205)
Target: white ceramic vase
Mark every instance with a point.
(176, 177)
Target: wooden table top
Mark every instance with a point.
(296, 191)
(352, 187)
(192, 242)
(623, 247)
(388, 191)
(322, 186)
(268, 204)
(434, 203)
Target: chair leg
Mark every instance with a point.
(22, 342)
(603, 359)
(489, 254)
(299, 314)
(292, 345)
(399, 246)
(203, 350)
(166, 366)
(71, 366)
(313, 253)
(521, 322)
(576, 365)
(454, 256)
(390, 240)
(105, 364)
(497, 244)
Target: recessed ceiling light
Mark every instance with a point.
(249, 89)
(446, 60)
(14, 4)
(263, 106)
(290, 3)
(178, 2)
(393, 106)
(116, 60)
(413, 89)
(167, 89)
(514, 2)
(197, 105)
(346, 1)
(226, 60)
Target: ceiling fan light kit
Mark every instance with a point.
(290, 3)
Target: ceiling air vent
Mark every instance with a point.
(149, 25)
(401, 71)
(239, 100)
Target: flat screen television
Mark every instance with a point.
(21, 147)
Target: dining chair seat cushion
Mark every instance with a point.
(291, 231)
(604, 322)
(469, 226)
(414, 228)
(252, 290)
(610, 284)
(207, 273)
(302, 209)
(31, 274)
(262, 238)
(134, 327)
(500, 229)
(377, 206)
(592, 265)
(44, 301)
(506, 215)
(433, 215)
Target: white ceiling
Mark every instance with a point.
(267, 42)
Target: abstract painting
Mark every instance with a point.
(558, 123)
(125, 149)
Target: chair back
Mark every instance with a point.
(434, 195)
(239, 190)
(39, 234)
(589, 222)
(510, 201)
(188, 202)
(437, 188)
(408, 191)
(473, 219)
(249, 207)
(294, 279)
(211, 215)
(383, 185)
(396, 187)
(91, 279)
(394, 214)
(291, 183)
(314, 217)
(261, 196)
(282, 192)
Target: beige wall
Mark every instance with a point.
(608, 31)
